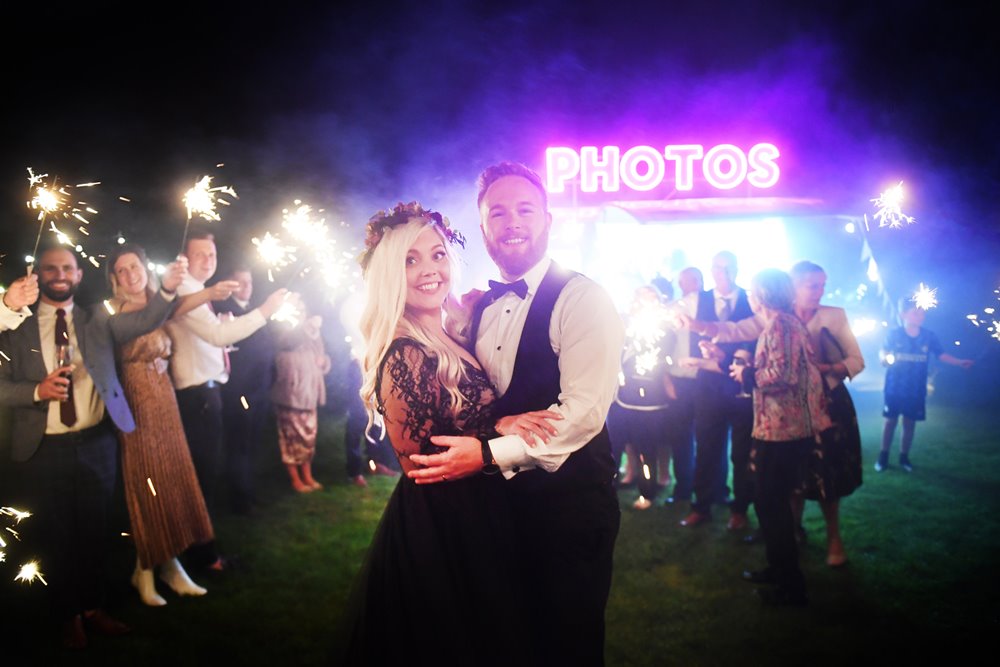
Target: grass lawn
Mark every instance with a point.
(921, 575)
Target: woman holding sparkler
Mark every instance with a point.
(788, 417)
(442, 556)
(165, 503)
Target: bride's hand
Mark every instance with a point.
(528, 425)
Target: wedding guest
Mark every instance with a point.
(298, 389)
(905, 355)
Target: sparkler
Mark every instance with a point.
(888, 208)
(274, 253)
(17, 514)
(643, 333)
(288, 312)
(925, 298)
(29, 572)
(312, 236)
(201, 200)
(55, 201)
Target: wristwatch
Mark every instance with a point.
(489, 467)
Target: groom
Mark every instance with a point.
(549, 339)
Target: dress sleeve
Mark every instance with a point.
(408, 395)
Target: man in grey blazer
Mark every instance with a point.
(63, 445)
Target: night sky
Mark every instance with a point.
(353, 106)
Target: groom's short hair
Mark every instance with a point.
(495, 172)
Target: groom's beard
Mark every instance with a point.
(515, 261)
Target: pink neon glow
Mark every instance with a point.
(643, 168)
(604, 169)
(562, 164)
(765, 172)
(684, 155)
(655, 168)
(725, 166)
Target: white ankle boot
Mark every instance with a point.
(143, 582)
(173, 575)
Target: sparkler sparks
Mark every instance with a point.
(643, 333)
(55, 201)
(312, 235)
(288, 312)
(925, 298)
(29, 572)
(888, 208)
(202, 198)
(16, 513)
(274, 253)
(152, 489)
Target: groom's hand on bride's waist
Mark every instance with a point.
(463, 458)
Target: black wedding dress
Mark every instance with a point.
(440, 583)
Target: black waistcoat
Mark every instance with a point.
(706, 313)
(535, 385)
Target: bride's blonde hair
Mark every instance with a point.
(384, 318)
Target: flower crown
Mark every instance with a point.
(399, 215)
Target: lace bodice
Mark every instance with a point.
(415, 406)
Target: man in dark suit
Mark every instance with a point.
(61, 382)
(251, 375)
(719, 409)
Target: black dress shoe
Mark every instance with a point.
(781, 597)
(758, 576)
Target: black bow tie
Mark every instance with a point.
(518, 287)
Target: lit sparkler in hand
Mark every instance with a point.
(274, 253)
(54, 201)
(201, 200)
(290, 311)
(643, 333)
(29, 572)
(925, 298)
(316, 247)
(888, 208)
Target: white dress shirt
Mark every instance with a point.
(87, 401)
(587, 335)
(198, 338)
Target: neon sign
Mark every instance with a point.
(644, 168)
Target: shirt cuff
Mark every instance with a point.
(8, 312)
(510, 454)
(35, 396)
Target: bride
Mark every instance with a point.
(442, 556)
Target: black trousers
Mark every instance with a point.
(778, 467)
(201, 414)
(646, 431)
(241, 435)
(718, 415)
(567, 540)
(741, 442)
(680, 436)
(67, 486)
